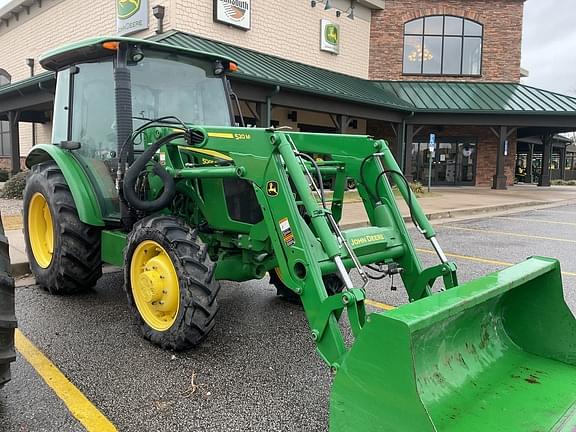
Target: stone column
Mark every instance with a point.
(13, 120)
(499, 179)
(546, 158)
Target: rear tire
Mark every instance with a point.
(66, 256)
(173, 297)
(7, 316)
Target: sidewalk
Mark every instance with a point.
(459, 202)
(445, 203)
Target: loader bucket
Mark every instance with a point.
(495, 354)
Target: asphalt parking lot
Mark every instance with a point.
(258, 370)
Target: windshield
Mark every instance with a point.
(174, 87)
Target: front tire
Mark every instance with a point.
(64, 253)
(169, 282)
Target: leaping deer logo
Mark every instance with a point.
(127, 8)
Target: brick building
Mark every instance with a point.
(400, 70)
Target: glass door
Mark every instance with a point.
(453, 162)
(466, 163)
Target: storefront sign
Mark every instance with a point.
(329, 36)
(237, 13)
(131, 16)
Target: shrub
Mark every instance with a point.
(14, 187)
(563, 182)
(417, 187)
(4, 175)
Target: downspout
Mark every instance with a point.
(269, 105)
(30, 63)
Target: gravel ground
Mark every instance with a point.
(12, 207)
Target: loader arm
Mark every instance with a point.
(305, 240)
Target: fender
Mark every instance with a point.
(82, 191)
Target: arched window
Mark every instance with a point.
(442, 45)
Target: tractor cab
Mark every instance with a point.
(107, 88)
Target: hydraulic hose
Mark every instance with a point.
(131, 177)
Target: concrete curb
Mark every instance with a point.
(20, 269)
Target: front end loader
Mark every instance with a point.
(147, 171)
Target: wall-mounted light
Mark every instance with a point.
(327, 3)
(350, 10)
(159, 11)
(30, 64)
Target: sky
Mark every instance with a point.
(549, 44)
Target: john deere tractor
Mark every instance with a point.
(147, 171)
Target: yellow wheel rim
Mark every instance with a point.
(155, 286)
(40, 230)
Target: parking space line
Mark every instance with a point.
(508, 234)
(555, 211)
(537, 220)
(481, 260)
(78, 405)
(379, 305)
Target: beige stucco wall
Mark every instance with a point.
(56, 23)
(289, 29)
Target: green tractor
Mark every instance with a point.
(147, 172)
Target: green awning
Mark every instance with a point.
(27, 84)
(479, 98)
(271, 70)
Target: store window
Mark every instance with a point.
(4, 128)
(570, 161)
(453, 162)
(442, 45)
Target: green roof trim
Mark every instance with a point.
(92, 48)
(479, 98)
(271, 70)
(26, 84)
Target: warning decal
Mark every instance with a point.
(286, 232)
